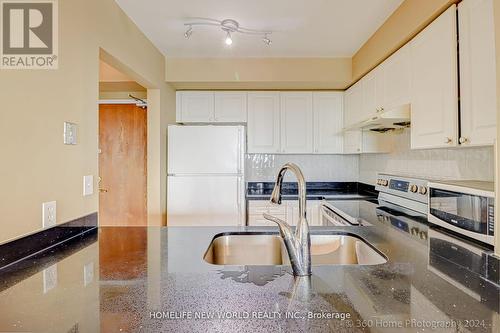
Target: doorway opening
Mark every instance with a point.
(122, 149)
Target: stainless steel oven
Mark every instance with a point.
(464, 207)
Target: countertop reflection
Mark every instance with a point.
(155, 280)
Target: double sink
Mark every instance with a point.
(263, 249)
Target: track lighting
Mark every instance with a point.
(266, 40)
(229, 26)
(228, 40)
(188, 32)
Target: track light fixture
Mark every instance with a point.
(266, 40)
(188, 32)
(229, 26)
(228, 40)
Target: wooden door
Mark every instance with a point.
(122, 165)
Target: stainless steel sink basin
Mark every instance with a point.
(268, 249)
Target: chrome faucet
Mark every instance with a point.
(298, 245)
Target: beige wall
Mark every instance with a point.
(496, 5)
(258, 73)
(306, 73)
(36, 167)
(410, 18)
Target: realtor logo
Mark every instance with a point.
(29, 34)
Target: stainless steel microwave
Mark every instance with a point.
(464, 207)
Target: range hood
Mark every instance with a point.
(385, 120)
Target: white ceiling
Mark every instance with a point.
(302, 28)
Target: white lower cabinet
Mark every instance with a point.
(256, 209)
(287, 211)
(312, 212)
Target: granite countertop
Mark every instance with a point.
(155, 280)
(314, 190)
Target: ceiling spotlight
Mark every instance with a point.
(266, 40)
(229, 27)
(188, 32)
(229, 40)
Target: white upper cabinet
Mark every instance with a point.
(195, 106)
(373, 92)
(434, 84)
(328, 122)
(263, 125)
(353, 142)
(211, 107)
(395, 90)
(387, 86)
(230, 106)
(477, 72)
(296, 122)
(353, 104)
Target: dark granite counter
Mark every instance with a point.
(314, 190)
(155, 280)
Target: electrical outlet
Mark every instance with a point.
(88, 185)
(49, 214)
(69, 133)
(49, 278)
(88, 273)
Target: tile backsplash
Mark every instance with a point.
(456, 163)
(264, 167)
(453, 163)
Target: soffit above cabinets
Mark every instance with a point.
(301, 28)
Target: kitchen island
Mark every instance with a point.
(155, 280)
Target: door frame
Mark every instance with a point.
(156, 139)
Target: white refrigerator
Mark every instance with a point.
(205, 184)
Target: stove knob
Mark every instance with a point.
(385, 182)
(422, 190)
(413, 188)
(378, 181)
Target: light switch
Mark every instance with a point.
(88, 185)
(69, 133)
(88, 273)
(49, 278)
(49, 214)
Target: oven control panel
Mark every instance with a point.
(411, 188)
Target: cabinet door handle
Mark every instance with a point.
(447, 140)
(463, 140)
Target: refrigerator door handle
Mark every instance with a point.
(238, 200)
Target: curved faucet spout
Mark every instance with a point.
(298, 244)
